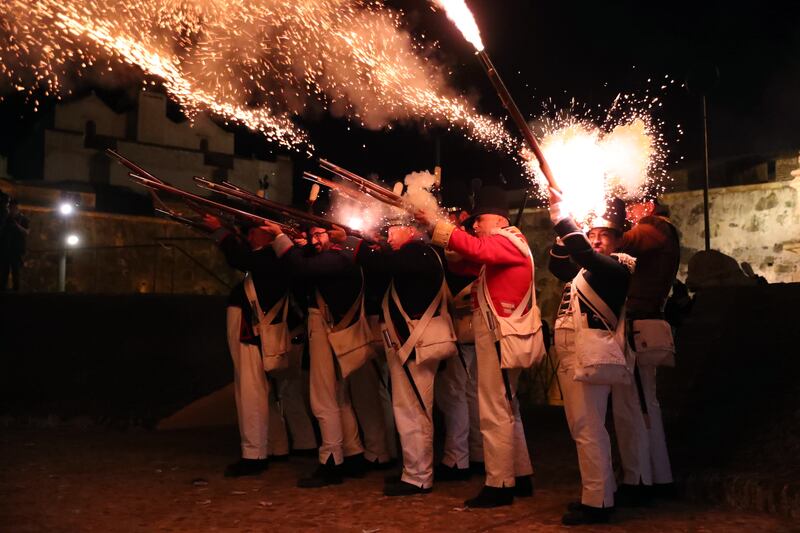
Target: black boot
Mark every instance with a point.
(633, 496)
(443, 472)
(401, 488)
(584, 514)
(355, 466)
(490, 497)
(246, 467)
(327, 474)
(523, 486)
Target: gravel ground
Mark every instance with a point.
(94, 479)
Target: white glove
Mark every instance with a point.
(557, 213)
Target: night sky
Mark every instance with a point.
(589, 51)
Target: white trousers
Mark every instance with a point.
(642, 443)
(290, 384)
(261, 428)
(585, 406)
(632, 434)
(475, 437)
(330, 399)
(505, 449)
(369, 395)
(450, 391)
(414, 424)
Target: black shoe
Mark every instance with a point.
(377, 465)
(664, 491)
(391, 479)
(355, 466)
(523, 486)
(587, 515)
(574, 506)
(246, 467)
(324, 475)
(279, 458)
(443, 472)
(490, 497)
(401, 488)
(633, 496)
(477, 467)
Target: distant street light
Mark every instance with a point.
(72, 240)
(66, 209)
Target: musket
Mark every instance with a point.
(373, 189)
(139, 171)
(349, 192)
(211, 204)
(199, 226)
(231, 190)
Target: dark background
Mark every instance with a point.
(586, 50)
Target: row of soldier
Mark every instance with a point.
(445, 311)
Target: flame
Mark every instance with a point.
(355, 222)
(590, 165)
(462, 17)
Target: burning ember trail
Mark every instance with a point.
(585, 162)
(256, 63)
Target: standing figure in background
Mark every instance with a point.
(14, 231)
(655, 244)
(456, 390)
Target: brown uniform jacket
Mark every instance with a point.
(655, 245)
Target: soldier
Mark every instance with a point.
(337, 346)
(456, 385)
(261, 420)
(507, 336)
(654, 242)
(369, 385)
(589, 353)
(413, 308)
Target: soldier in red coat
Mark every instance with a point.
(499, 256)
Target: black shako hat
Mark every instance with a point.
(489, 200)
(613, 218)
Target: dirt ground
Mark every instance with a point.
(94, 479)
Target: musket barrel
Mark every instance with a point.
(516, 116)
(269, 205)
(244, 215)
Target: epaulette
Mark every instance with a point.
(627, 260)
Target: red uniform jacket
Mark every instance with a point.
(508, 272)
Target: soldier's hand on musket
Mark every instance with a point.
(337, 234)
(301, 239)
(424, 218)
(271, 227)
(211, 222)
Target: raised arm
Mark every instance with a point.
(561, 265)
(580, 251)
